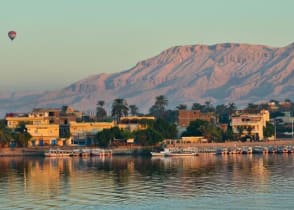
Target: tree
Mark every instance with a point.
(167, 130)
(159, 107)
(194, 128)
(240, 131)
(5, 137)
(20, 135)
(182, 107)
(208, 107)
(232, 108)
(147, 137)
(134, 110)
(105, 137)
(252, 107)
(268, 130)
(222, 113)
(119, 109)
(5, 134)
(203, 128)
(100, 111)
(197, 106)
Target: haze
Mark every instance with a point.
(61, 41)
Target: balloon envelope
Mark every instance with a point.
(12, 35)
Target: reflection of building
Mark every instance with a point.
(251, 123)
(186, 116)
(134, 122)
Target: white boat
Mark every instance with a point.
(101, 152)
(58, 153)
(85, 152)
(76, 152)
(175, 152)
(161, 153)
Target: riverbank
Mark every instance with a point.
(40, 151)
(145, 150)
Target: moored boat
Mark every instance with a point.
(160, 153)
(58, 153)
(101, 152)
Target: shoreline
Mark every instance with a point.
(143, 150)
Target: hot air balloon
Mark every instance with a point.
(11, 35)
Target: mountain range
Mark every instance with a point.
(220, 73)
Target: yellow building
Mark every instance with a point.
(43, 134)
(133, 123)
(82, 133)
(250, 123)
(89, 127)
(13, 120)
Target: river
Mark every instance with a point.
(203, 182)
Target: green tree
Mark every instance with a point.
(119, 109)
(195, 128)
(269, 130)
(208, 107)
(171, 116)
(252, 107)
(165, 129)
(105, 137)
(182, 107)
(159, 107)
(147, 137)
(134, 110)
(100, 111)
(21, 136)
(240, 130)
(204, 128)
(5, 137)
(222, 113)
(197, 106)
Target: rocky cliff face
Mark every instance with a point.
(221, 73)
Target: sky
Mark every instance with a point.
(59, 42)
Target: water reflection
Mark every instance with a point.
(111, 182)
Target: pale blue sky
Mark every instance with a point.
(61, 41)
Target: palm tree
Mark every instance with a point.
(182, 107)
(197, 106)
(119, 109)
(231, 109)
(159, 108)
(134, 109)
(101, 103)
(252, 107)
(100, 111)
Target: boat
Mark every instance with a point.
(101, 152)
(76, 152)
(181, 154)
(85, 152)
(58, 153)
(176, 152)
(160, 153)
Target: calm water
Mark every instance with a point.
(203, 182)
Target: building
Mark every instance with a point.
(250, 123)
(133, 123)
(186, 116)
(46, 134)
(83, 133)
(45, 125)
